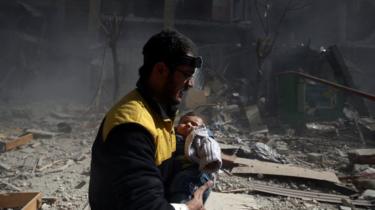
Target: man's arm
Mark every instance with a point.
(137, 182)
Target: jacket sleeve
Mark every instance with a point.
(137, 182)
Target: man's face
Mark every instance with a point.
(179, 81)
(187, 123)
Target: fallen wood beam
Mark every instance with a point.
(322, 197)
(275, 169)
(6, 146)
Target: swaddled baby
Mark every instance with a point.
(197, 157)
(202, 149)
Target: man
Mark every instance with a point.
(132, 156)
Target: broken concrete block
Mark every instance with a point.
(5, 167)
(363, 183)
(64, 127)
(368, 194)
(362, 156)
(282, 147)
(40, 134)
(345, 208)
(321, 128)
(368, 125)
(357, 168)
(315, 157)
(254, 118)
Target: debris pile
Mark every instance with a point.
(328, 166)
(47, 151)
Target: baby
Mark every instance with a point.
(197, 158)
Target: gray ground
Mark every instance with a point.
(58, 166)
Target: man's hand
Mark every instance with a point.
(197, 202)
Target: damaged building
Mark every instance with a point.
(287, 89)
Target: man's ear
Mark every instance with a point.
(161, 69)
(159, 76)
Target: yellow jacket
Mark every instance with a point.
(134, 109)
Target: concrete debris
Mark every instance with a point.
(61, 170)
(40, 134)
(345, 208)
(6, 167)
(321, 127)
(47, 164)
(64, 127)
(362, 156)
(368, 125)
(315, 157)
(254, 118)
(264, 152)
(368, 194)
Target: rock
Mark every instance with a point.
(80, 185)
(345, 208)
(5, 166)
(282, 147)
(357, 168)
(363, 183)
(368, 194)
(315, 157)
(64, 127)
(45, 206)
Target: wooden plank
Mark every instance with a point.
(6, 146)
(275, 169)
(35, 203)
(323, 197)
(26, 200)
(228, 160)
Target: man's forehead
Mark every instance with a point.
(195, 119)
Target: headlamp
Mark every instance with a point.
(194, 62)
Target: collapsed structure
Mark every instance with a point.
(289, 96)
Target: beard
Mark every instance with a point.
(172, 94)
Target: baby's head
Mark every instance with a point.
(187, 123)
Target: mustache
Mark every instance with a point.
(186, 88)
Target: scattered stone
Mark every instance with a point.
(5, 166)
(40, 134)
(357, 168)
(345, 208)
(315, 157)
(368, 194)
(64, 127)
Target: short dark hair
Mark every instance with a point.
(164, 46)
(188, 114)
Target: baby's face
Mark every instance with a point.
(187, 124)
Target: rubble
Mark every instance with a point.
(362, 156)
(57, 162)
(54, 164)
